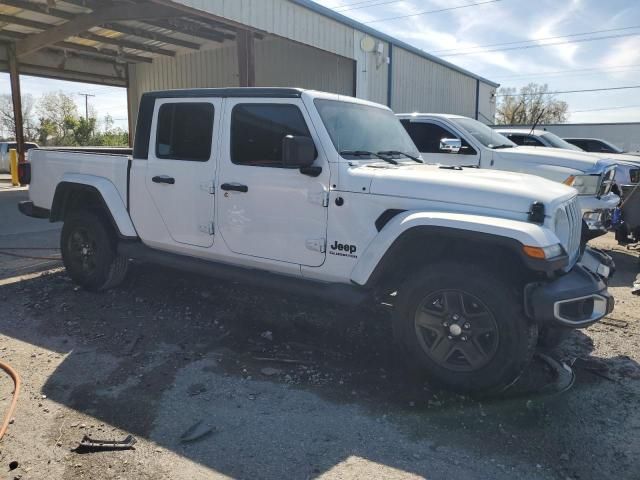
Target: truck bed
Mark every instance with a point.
(51, 166)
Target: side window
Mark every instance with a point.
(257, 131)
(580, 144)
(185, 131)
(526, 140)
(595, 146)
(427, 137)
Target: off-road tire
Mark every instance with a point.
(512, 347)
(106, 269)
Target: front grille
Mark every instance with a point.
(574, 214)
(606, 181)
(635, 175)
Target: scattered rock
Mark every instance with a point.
(13, 465)
(270, 371)
(564, 457)
(267, 335)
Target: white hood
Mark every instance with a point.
(583, 161)
(492, 189)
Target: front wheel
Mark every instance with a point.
(464, 327)
(89, 253)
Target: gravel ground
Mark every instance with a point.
(278, 388)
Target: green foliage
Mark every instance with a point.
(58, 123)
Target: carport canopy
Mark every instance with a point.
(94, 41)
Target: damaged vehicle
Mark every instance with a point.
(459, 141)
(317, 194)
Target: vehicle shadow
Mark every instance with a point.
(627, 267)
(289, 388)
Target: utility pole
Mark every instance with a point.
(86, 104)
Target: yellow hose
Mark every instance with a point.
(16, 391)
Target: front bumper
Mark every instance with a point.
(577, 299)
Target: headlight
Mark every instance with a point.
(584, 184)
(544, 253)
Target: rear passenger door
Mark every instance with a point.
(265, 209)
(427, 136)
(182, 167)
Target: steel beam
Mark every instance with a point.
(82, 23)
(246, 59)
(16, 97)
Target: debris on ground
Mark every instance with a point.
(88, 444)
(195, 432)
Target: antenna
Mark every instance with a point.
(86, 104)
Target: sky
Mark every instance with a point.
(604, 63)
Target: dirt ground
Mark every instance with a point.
(288, 388)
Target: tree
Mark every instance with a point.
(59, 114)
(7, 121)
(532, 105)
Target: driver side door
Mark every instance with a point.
(428, 136)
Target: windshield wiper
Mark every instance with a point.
(499, 147)
(398, 152)
(365, 153)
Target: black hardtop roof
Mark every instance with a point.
(251, 92)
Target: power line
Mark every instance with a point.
(524, 47)
(343, 9)
(556, 72)
(355, 3)
(433, 11)
(86, 104)
(568, 91)
(604, 109)
(437, 52)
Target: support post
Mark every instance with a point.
(14, 77)
(246, 58)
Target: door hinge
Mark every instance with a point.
(317, 244)
(319, 198)
(208, 187)
(207, 228)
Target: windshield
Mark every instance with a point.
(556, 142)
(355, 127)
(485, 135)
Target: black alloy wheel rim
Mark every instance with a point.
(82, 250)
(456, 330)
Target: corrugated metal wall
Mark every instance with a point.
(420, 85)
(284, 19)
(486, 103)
(282, 63)
(279, 63)
(310, 50)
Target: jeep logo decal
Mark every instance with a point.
(343, 249)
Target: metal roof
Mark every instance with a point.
(327, 12)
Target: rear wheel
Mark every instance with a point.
(464, 327)
(88, 245)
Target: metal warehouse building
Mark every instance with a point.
(163, 44)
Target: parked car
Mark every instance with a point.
(627, 166)
(4, 153)
(324, 195)
(458, 141)
(598, 145)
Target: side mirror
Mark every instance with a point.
(298, 151)
(450, 145)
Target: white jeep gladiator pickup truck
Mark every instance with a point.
(460, 141)
(319, 194)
